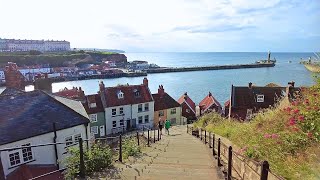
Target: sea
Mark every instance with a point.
(199, 83)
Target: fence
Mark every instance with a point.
(234, 165)
(148, 135)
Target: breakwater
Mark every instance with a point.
(207, 68)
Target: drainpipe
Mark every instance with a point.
(55, 145)
(131, 116)
(86, 126)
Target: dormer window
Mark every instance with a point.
(120, 95)
(260, 98)
(92, 105)
(136, 93)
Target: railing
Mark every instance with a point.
(234, 165)
(140, 135)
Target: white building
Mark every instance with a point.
(128, 106)
(13, 45)
(2, 77)
(28, 120)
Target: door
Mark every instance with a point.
(134, 123)
(102, 131)
(128, 124)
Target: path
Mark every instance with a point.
(177, 156)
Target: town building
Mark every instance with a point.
(247, 100)
(166, 108)
(13, 45)
(210, 104)
(74, 93)
(95, 111)
(188, 107)
(13, 77)
(33, 118)
(127, 107)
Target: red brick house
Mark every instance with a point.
(247, 100)
(209, 104)
(74, 93)
(13, 77)
(188, 107)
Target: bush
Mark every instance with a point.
(130, 148)
(98, 157)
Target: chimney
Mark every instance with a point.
(102, 93)
(13, 77)
(81, 94)
(185, 95)
(210, 94)
(101, 86)
(161, 91)
(145, 82)
(250, 85)
(289, 91)
(291, 83)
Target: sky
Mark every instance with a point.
(168, 25)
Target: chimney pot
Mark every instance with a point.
(145, 81)
(250, 85)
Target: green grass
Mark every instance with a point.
(287, 136)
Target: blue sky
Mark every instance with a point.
(167, 25)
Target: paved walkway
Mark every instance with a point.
(177, 156)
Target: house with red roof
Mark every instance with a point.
(127, 107)
(188, 107)
(74, 93)
(166, 108)
(209, 104)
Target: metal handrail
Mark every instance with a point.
(47, 174)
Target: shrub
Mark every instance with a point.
(130, 148)
(98, 157)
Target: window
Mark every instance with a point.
(77, 137)
(188, 110)
(69, 140)
(114, 112)
(146, 107)
(94, 130)
(140, 119)
(92, 105)
(120, 95)
(173, 111)
(260, 98)
(136, 93)
(14, 158)
(121, 110)
(249, 114)
(114, 124)
(146, 119)
(93, 117)
(121, 123)
(27, 153)
(173, 121)
(161, 113)
(140, 108)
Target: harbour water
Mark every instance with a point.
(199, 83)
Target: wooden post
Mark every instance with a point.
(205, 136)
(81, 166)
(120, 148)
(201, 134)
(154, 136)
(230, 163)
(148, 137)
(158, 134)
(213, 152)
(138, 138)
(187, 128)
(264, 170)
(219, 146)
(210, 140)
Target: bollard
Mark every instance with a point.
(205, 136)
(138, 138)
(120, 148)
(264, 170)
(219, 146)
(158, 134)
(154, 136)
(213, 152)
(81, 166)
(148, 137)
(230, 163)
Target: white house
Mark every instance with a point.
(28, 118)
(127, 106)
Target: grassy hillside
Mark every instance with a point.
(58, 59)
(287, 136)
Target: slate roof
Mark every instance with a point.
(185, 98)
(245, 96)
(33, 113)
(208, 101)
(164, 102)
(129, 97)
(11, 91)
(95, 98)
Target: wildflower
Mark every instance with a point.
(310, 134)
(301, 118)
(296, 129)
(267, 136)
(315, 94)
(294, 103)
(279, 142)
(292, 121)
(316, 108)
(296, 111)
(308, 108)
(275, 136)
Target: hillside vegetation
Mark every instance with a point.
(59, 59)
(287, 135)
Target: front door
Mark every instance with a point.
(102, 131)
(128, 124)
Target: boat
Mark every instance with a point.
(268, 60)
